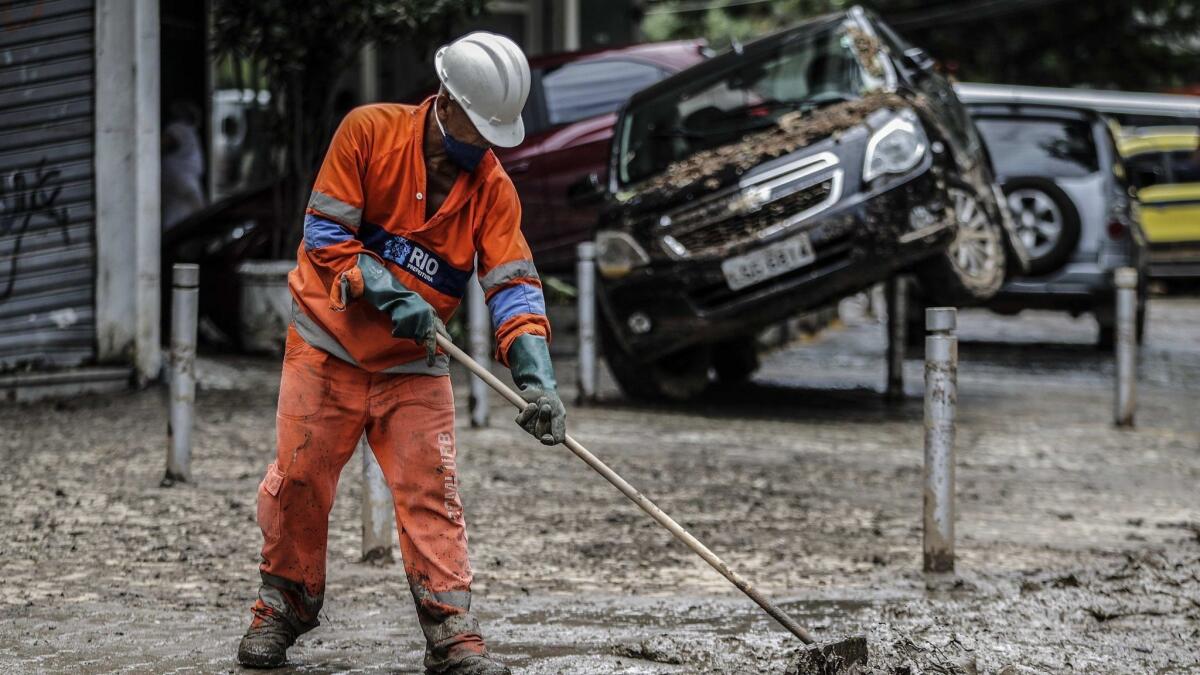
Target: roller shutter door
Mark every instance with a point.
(47, 213)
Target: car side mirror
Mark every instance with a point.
(587, 191)
(918, 59)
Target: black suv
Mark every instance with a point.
(778, 177)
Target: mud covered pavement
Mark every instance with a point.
(1078, 544)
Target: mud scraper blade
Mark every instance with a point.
(847, 656)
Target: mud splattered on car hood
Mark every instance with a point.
(714, 167)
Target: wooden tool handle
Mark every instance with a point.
(635, 496)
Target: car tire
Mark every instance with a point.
(677, 377)
(736, 360)
(971, 269)
(1046, 220)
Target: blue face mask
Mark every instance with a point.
(464, 155)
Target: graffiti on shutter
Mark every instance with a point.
(47, 214)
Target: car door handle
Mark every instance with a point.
(518, 167)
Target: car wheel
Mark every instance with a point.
(676, 377)
(971, 270)
(1046, 221)
(736, 360)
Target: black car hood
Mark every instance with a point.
(724, 165)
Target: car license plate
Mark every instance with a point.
(767, 262)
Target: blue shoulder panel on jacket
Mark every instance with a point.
(516, 299)
(321, 232)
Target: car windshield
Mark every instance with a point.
(798, 75)
(1029, 146)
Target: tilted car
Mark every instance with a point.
(1071, 204)
(779, 177)
(1164, 167)
(573, 102)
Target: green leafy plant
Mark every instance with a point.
(1138, 45)
(724, 23)
(298, 52)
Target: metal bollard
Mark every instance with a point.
(941, 400)
(585, 282)
(897, 328)
(378, 510)
(185, 297)
(1125, 401)
(479, 341)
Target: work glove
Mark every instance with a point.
(544, 415)
(411, 316)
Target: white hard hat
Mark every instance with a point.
(489, 77)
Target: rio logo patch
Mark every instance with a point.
(422, 264)
(415, 259)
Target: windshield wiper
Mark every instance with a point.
(696, 135)
(679, 132)
(822, 100)
(811, 103)
(805, 106)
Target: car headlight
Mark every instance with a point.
(897, 147)
(617, 253)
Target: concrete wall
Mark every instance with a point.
(128, 231)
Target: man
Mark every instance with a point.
(406, 201)
(182, 164)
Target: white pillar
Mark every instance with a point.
(185, 303)
(128, 229)
(570, 25)
(479, 340)
(368, 73)
(1125, 401)
(585, 285)
(941, 403)
(378, 509)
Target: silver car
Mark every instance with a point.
(1067, 191)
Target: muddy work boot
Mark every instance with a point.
(472, 664)
(266, 642)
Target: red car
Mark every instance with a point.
(573, 101)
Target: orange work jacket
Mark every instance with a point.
(369, 198)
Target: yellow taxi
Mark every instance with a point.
(1164, 167)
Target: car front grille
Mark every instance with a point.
(757, 209)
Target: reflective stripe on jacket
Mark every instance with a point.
(369, 198)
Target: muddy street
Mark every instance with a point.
(1078, 543)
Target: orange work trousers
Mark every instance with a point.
(325, 405)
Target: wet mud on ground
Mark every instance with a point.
(1078, 544)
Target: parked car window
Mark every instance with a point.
(705, 113)
(1185, 166)
(534, 114)
(1052, 148)
(1146, 169)
(577, 91)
